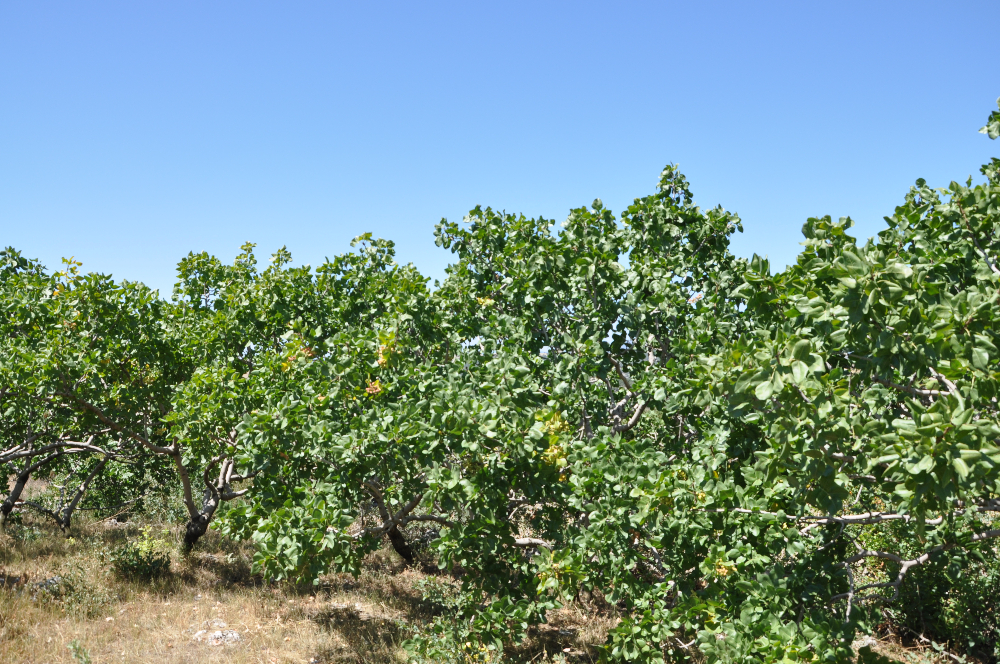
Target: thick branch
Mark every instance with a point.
(640, 409)
(185, 478)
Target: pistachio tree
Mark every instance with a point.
(730, 488)
(597, 330)
(869, 391)
(746, 464)
(338, 435)
(242, 330)
(84, 375)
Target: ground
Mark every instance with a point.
(62, 602)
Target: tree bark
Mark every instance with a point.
(399, 544)
(22, 479)
(216, 492)
(15, 493)
(67, 512)
(195, 528)
(198, 522)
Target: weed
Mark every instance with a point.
(145, 558)
(80, 653)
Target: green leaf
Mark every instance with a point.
(799, 371)
(854, 264)
(960, 467)
(764, 390)
(925, 464)
(980, 358)
(801, 350)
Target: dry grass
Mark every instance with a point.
(361, 620)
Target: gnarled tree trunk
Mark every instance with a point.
(63, 513)
(217, 491)
(19, 483)
(399, 544)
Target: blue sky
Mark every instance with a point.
(132, 133)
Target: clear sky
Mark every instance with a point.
(134, 132)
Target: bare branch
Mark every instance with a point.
(211, 486)
(230, 495)
(908, 389)
(621, 374)
(904, 567)
(68, 446)
(950, 386)
(618, 428)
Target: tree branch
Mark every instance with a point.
(169, 451)
(908, 389)
(948, 385)
(621, 374)
(975, 240)
(618, 428)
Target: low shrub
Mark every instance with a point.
(145, 558)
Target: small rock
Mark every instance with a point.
(50, 584)
(866, 640)
(53, 586)
(219, 637)
(224, 637)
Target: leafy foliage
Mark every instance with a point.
(750, 466)
(144, 558)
